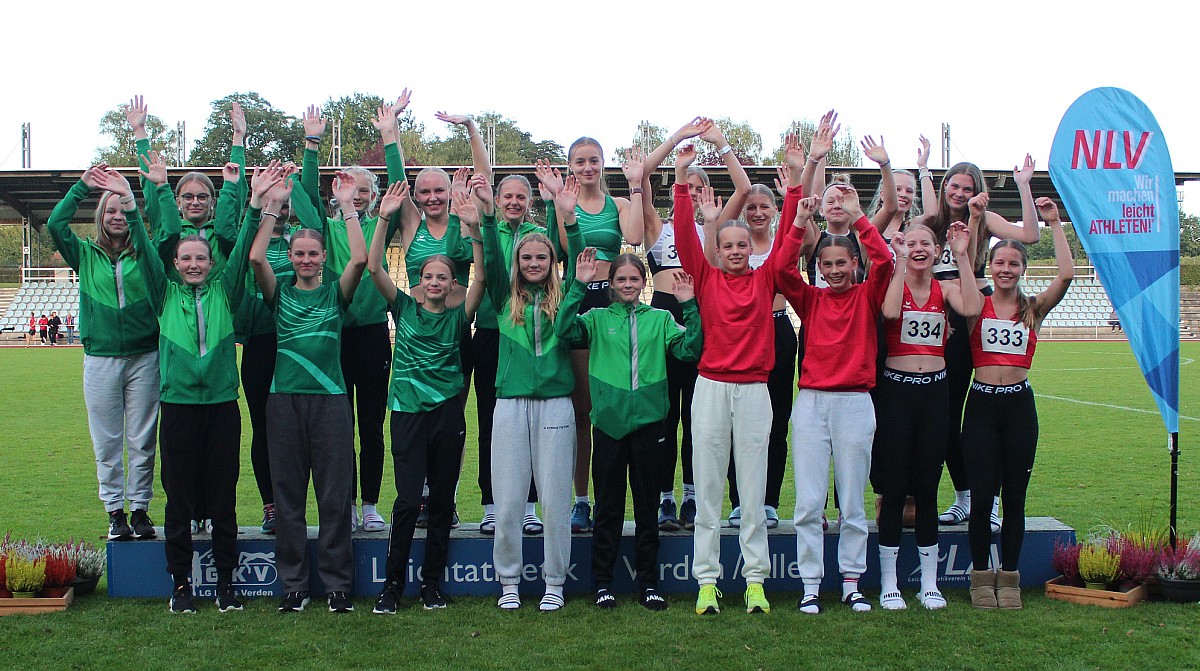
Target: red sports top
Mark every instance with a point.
(1001, 342)
(735, 310)
(921, 329)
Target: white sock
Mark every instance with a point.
(996, 506)
(849, 586)
(887, 569)
(689, 492)
(489, 509)
(929, 562)
(812, 588)
(508, 589)
(963, 498)
(668, 496)
(583, 499)
(554, 589)
(425, 489)
(530, 508)
(369, 508)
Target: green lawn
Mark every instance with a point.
(1096, 464)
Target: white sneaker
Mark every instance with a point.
(735, 517)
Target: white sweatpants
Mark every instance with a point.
(719, 409)
(841, 424)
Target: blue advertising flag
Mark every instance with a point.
(1110, 164)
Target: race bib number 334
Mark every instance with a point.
(922, 328)
(1002, 336)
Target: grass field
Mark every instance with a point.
(1102, 459)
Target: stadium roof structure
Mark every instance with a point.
(34, 193)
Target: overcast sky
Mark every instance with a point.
(1000, 73)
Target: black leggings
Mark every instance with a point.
(681, 385)
(781, 385)
(906, 458)
(258, 368)
(485, 350)
(366, 367)
(959, 370)
(1000, 432)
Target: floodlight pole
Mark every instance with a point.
(1174, 483)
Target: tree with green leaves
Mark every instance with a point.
(743, 139)
(120, 153)
(1189, 235)
(271, 134)
(845, 150)
(513, 145)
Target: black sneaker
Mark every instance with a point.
(687, 514)
(667, 520)
(432, 597)
(143, 526)
(454, 521)
(339, 602)
(226, 598)
(181, 600)
(293, 602)
(268, 523)
(388, 599)
(423, 514)
(118, 528)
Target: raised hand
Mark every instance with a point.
(899, 246)
(958, 236)
(89, 176)
(282, 191)
(710, 206)
(1048, 209)
(263, 180)
(238, 119)
(567, 197)
(783, 179)
(157, 170)
(136, 113)
(848, 197)
(685, 287)
(585, 265)
(458, 183)
(635, 160)
(480, 187)
(549, 179)
(712, 134)
(109, 179)
(343, 189)
(232, 172)
(456, 119)
(923, 153)
(685, 156)
(822, 140)
(1024, 174)
(314, 123)
(793, 153)
(467, 210)
(402, 102)
(393, 198)
(806, 208)
(691, 129)
(874, 151)
(978, 204)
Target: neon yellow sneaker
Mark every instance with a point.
(756, 599)
(706, 603)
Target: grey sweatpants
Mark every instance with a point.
(121, 395)
(532, 436)
(312, 433)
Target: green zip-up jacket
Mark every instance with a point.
(253, 317)
(534, 361)
(368, 306)
(627, 365)
(197, 355)
(115, 315)
(485, 316)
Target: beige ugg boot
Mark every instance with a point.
(1008, 590)
(983, 589)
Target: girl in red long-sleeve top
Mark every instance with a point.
(833, 414)
(731, 398)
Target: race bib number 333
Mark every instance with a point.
(922, 328)
(1002, 336)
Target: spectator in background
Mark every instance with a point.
(32, 329)
(1114, 321)
(69, 322)
(43, 327)
(54, 324)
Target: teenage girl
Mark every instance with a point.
(1000, 427)
(911, 402)
(119, 330)
(908, 206)
(428, 426)
(833, 414)
(311, 430)
(534, 422)
(628, 344)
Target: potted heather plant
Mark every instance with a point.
(1179, 572)
(89, 566)
(24, 574)
(60, 571)
(1098, 566)
(1065, 560)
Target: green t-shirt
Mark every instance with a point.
(426, 367)
(453, 245)
(309, 327)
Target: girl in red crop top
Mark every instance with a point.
(1000, 427)
(912, 401)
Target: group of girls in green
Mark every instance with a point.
(577, 381)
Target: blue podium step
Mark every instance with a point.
(138, 568)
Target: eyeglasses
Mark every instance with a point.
(198, 197)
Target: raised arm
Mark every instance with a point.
(893, 297)
(166, 236)
(343, 191)
(237, 154)
(813, 176)
(389, 206)
(310, 167)
(881, 266)
(59, 222)
(710, 207)
(687, 243)
(631, 211)
(233, 275)
(968, 302)
(888, 204)
(569, 324)
(653, 223)
(479, 156)
(227, 214)
(153, 272)
(1050, 298)
(737, 173)
(1028, 232)
(929, 196)
(686, 343)
(264, 275)
(473, 221)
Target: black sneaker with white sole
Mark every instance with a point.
(388, 599)
(432, 597)
(143, 526)
(118, 527)
(293, 602)
(226, 598)
(339, 602)
(181, 600)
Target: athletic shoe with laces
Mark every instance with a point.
(388, 599)
(339, 602)
(432, 597)
(227, 599)
(735, 517)
(293, 602)
(581, 517)
(268, 523)
(706, 602)
(756, 599)
(772, 520)
(957, 513)
(143, 526)
(687, 514)
(181, 600)
(423, 514)
(667, 519)
(118, 527)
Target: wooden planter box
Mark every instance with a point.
(36, 605)
(1094, 597)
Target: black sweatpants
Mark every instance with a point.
(681, 385)
(258, 368)
(426, 446)
(910, 444)
(1000, 433)
(485, 346)
(366, 367)
(639, 457)
(198, 448)
(781, 385)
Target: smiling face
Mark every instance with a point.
(1006, 267)
(906, 191)
(513, 200)
(437, 281)
(193, 262)
(432, 194)
(587, 164)
(115, 226)
(959, 189)
(760, 211)
(696, 185)
(734, 249)
(364, 192)
(923, 249)
(831, 208)
(308, 257)
(534, 261)
(195, 201)
(837, 266)
(627, 283)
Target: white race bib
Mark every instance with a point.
(945, 263)
(1001, 336)
(922, 328)
(820, 282)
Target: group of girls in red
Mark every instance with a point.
(577, 381)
